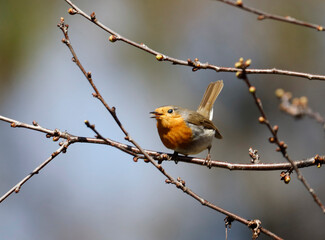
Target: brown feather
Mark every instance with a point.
(197, 119)
(209, 97)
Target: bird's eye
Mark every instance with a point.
(170, 110)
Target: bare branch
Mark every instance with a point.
(160, 156)
(17, 187)
(297, 107)
(263, 15)
(196, 64)
(177, 182)
(282, 147)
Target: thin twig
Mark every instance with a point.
(297, 107)
(264, 15)
(196, 64)
(177, 182)
(17, 187)
(282, 147)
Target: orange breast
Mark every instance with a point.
(174, 133)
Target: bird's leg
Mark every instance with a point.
(208, 158)
(175, 157)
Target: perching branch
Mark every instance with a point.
(160, 156)
(196, 64)
(263, 15)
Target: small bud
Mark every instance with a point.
(146, 160)
(72, 11)
(48, 135)
(196, 59)
(252, 89)
(287, 179)
(248, 62)
(93, 16)
(94, 94)
(112, 38)
(282, 174)
(194, 69)
(135, 159)
(13, 125)
(303, 101)
(35, 123)
(275, 128)
(271, 139)
(88, 74)
(261, 17)
(17, 189)
(62, 19)
(56, 138)
(238, 65)
(239, 3)
(285, 176)
(318, 159)
(278, 149)
(281, 143)
(261, 119)
(168, 181)
(295, 101)
(159, 57)
(239, 74)
(320, 28)
(190, 62)
(64, 40)
(279, 92)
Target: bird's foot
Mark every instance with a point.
(175, 157)
(208, 161)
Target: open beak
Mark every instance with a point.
(155, 114)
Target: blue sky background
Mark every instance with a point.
(98, 192)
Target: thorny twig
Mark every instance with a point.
(196, 64)
(282, 147)
(263, 15)
(177, 182)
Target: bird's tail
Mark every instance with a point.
(206, 106)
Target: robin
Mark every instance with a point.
(189, 132)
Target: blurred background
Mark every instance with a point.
(98, 192)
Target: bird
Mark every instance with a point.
(186, 131)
